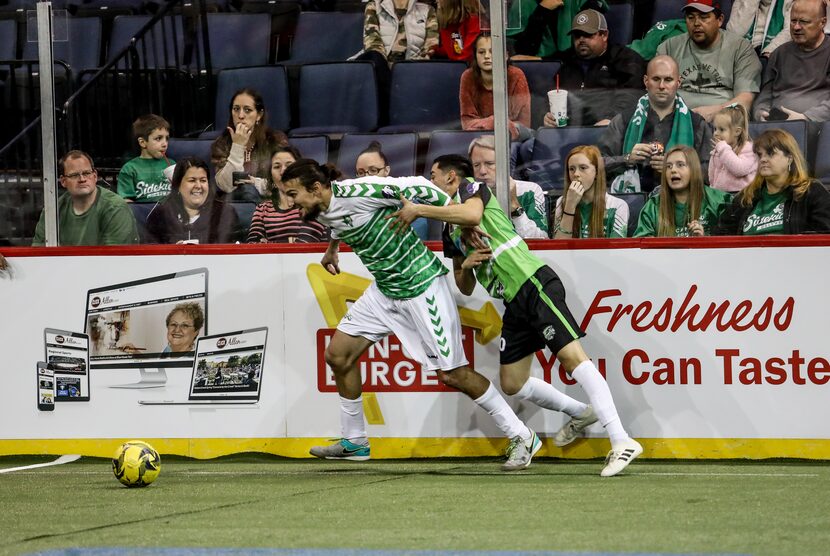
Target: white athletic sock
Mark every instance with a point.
(587, 375)
(352, 426)
(541, 393)
(507, 421)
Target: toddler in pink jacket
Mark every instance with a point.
(732, 164)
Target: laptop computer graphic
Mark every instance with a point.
(227, 369)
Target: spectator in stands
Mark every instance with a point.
(586, 209)
(191, 213)
(601, 79)
(783, 198)
(245, 147)
(717, 67)
(459, 23)
(540, 29)
(733, 164)
(142, 179)
(277, 220)
(400, 30)
(88, 214)
(684, 206)
(476, 94)
(527, 200)
(373, 162)
(796, 84)
(765, 23)
(632, 145)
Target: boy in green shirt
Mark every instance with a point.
(142, 179)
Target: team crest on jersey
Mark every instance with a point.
(549, 332)
(472, 187)
(389, 192)
(347, 220)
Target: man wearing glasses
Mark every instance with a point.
(87, 213)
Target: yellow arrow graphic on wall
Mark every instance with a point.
(334, 292)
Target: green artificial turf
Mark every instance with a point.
(260, 501)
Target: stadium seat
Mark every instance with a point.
(635, 202)
(162, 46)
(399, 148)
(822, 163)
(315, 147)
(796, 128)
(8, 39)
(673, 9)
(284, 15)
(238, 40)
(270, 81)
(552, 145)
(620, 19)
(178, 149)
(337, 98)
(424, 96)
(449, 142)
(83, 49)
(326, 37)
(540, 76)
(245, 213)
(141, 211)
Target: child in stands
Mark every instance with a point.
(733, 163)
(142, 179)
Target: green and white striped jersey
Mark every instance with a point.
(512, 263)
(402, 265)
(614, 223)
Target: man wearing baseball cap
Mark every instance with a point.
(717, 67)
(592, 68)
(539, 28)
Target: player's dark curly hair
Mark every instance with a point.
(308, 172)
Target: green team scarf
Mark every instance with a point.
(774, 24)
(682, 130)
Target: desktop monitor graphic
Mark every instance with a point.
(149, 324)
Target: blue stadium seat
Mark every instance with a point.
(270, 81)
(83, 49)
(312, 146)
(547, 161)
(8, 39)
(141, 211)
(540, 76)
(796, 128)
(399, 148)
(635, 202)
(822, 162)
(163, 45)
(326, 37)
(102, 7)
(178, 149)
(339, 97)
(620, 19)
(673, 9)
(238, 40)
(245, 213)
(424, 96)
(449, 142)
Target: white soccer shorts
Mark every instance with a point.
(428, 325)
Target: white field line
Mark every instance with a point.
(60, 461)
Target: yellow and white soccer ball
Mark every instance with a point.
(136, 464)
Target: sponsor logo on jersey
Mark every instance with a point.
(549, 333)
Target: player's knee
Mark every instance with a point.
(510, 385)
(450, 379)
(338, 361)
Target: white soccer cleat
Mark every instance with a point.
(572, 430)
(617, 460)
(520, 452)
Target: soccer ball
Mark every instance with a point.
(136, 464)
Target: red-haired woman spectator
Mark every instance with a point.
(783, 198)
(476, 93)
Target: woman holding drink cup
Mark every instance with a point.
(476, 94)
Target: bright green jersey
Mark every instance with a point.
(714, 203)
(402, 265)
(512, 263)
(143, 181)
(767, 216)
(614, 223)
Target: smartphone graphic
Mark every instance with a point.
(45, 387)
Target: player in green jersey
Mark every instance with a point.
(410, 297)
(535, 311)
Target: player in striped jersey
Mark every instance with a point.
(410, 298)
(535, 311)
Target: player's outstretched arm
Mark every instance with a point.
(331, 259)
(467, 214)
